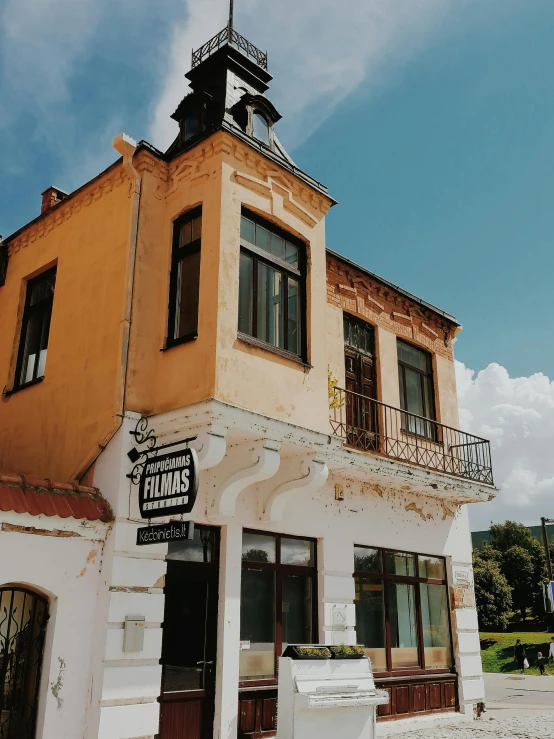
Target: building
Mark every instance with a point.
(480, 538)
(188, 297)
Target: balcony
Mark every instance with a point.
(371, 426)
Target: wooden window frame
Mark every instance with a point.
(259, 255)
(424, 376)
(417, 581)
(280, 570)
(178, 253)
(44, 306)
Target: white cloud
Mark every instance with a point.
(517, 415)
(319, 51)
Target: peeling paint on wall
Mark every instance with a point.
(57, 686)
(91, 557)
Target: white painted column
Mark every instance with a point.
(228, 633)
(336, 590)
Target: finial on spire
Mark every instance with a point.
(231, 13)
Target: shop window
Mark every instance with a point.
(35, 328)
(271, 286)
(23, 619)
(277, 601)
(402, 611)
(415, 375)
(184, 283)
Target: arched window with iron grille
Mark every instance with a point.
(23, 619)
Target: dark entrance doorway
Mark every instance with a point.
(359, 360)
(23, 619)
(190, 637)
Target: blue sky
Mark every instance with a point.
(431, 121)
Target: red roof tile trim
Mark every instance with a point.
(42, 497)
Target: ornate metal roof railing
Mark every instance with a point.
(233, 38)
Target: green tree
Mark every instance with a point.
(492, 593)
(526, 587)
(510, 534)
(518, 568)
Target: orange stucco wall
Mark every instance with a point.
(47, 429)
(53, 428)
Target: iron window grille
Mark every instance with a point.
(184, 281)
(23, 619)
(272, 287)
(35, 328)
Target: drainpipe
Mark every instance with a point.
(126, 146)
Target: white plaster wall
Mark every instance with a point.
(66, 570)
(124, 705)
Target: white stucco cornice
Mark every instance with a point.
(244, 427)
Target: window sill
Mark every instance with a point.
(251, 341)
(18, 388)
(181, 340)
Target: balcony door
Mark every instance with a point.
(359, 360)
(189, 637)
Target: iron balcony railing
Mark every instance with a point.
(372, 426)
(233, 38)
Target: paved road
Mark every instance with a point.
(536, 726)
(517, 708)
(512, 694)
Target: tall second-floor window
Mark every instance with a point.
(35, 328)
(184, 284)
(415, 374)
(271, 286)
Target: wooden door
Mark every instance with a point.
(361, 411)
(189, 649)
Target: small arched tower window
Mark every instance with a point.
(260, 127)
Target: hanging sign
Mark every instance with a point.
(169, 484)
(163, 532)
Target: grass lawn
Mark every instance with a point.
(500, 657)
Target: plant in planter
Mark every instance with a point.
(306, 652)
(345, 651)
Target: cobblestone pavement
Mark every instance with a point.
(538, 726)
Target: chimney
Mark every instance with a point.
(51, 197)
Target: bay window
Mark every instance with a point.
(277, 600)
(271, 286)
(402, 611)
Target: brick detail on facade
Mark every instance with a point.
(377, 303)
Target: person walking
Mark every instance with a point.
(540, 661)
(551, 652)
(520, 656)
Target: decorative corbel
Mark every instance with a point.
(210, 447)
(266, 461)
(314, 476)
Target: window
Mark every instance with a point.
(23, 619)
(184, 284)
(260, 128)
(278, 603)
(415, 375)
(402, 610)
(271, 286)
(35, 328)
